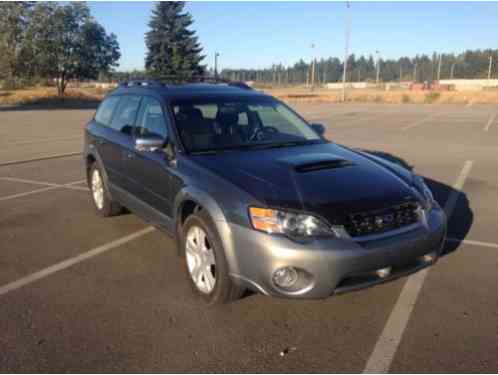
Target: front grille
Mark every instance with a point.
(380, 221)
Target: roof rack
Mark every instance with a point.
(162, 81)
(141, 83)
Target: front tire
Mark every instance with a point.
(205, 261)
(104, 205)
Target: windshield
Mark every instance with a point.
(217, 124)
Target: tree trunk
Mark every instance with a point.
(61, 84)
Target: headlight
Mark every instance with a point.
(292, 224)
(425, 191)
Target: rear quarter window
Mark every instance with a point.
(105, 110)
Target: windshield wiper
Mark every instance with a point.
(282, 144)
(256, 146)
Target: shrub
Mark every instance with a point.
(432, 97)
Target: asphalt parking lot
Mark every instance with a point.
(83, 294)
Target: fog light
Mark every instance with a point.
(383, 272)
(285, 277)
(429, 258)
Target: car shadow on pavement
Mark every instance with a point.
(462, 217)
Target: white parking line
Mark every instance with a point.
(418, 122)
(57, 156)
(383, 353)
(72, 261)
(43, 183)
(13, 196)
(490, 122)
(48, 187)
(475, 243)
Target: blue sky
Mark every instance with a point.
(257, 34)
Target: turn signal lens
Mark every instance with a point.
(264, 219)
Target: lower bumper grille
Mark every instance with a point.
(379, 221)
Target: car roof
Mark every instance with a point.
(189, 90)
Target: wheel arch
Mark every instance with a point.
(191, 199)
(92, 156)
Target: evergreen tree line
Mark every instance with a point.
(421, 68)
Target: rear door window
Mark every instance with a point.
(105, 111)
(124, 118)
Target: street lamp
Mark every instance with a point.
(346, 52)
(312, 80)
(378, 68)
(216, 55)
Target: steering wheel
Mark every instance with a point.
(260, 133)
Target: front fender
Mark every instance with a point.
(217, 215)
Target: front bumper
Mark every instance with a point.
(335, 265)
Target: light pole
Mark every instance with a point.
(346, 51)
(216, 55)
(378, 69)
(312, 80)
(490, 66)
(439, 68)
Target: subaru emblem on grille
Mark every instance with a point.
(384, 220)
(379, 221)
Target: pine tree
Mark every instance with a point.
(173, 49)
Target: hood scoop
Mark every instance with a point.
(304, 163)
(322, 164)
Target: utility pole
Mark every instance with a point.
(346, 51)
(312, 73)
(216, 54)
(378, 68)
(415, 72)
(490, 66)
(400, 73)
(452, 71)
(439, 67)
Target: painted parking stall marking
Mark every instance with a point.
(23, 161)
(490, 122)
(418, 122)
(72, 261)
(383, 354)
(49, 186)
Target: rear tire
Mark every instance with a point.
(205, 261)
(104, 205)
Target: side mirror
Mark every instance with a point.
(150, 143)
(319, 128)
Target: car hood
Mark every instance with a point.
(325, 179)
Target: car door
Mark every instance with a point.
(148, 173)
(101, 133)
(120, 137)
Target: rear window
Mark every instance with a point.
(104, 113)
